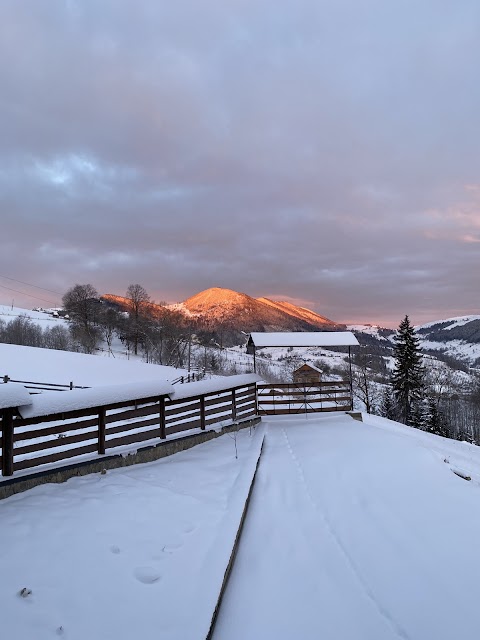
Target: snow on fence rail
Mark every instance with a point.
(52, 429)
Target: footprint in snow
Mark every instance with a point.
(147, 575)
(115, 549)
(170, 548)
(188, 528)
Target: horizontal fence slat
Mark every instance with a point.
(54, 457)
(216, 410)
(56, 442)
(133, 438)
(300, 394)
(248, 403)
(245, 392)
(246, 408)
(271, 412)
(211, 402)
(131, 426)
(312, 401)
(172, 411)
(132, 413)
(55, 429)
(178, 428)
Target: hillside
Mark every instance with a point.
(456, 337)
(221, 309)
(63, 367)
(243, 313)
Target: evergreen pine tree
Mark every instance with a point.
(419, 414)
(388, 408)
(407, 379)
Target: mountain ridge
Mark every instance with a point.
(226, 308)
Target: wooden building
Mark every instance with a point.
(307, 374)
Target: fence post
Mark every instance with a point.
(163, 434)
(202, 413)
(7, 442)
(234, 406)
(101, 430)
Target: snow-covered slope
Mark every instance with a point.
(44, 318)
(458, 337)
(62, 367)
(243, 313)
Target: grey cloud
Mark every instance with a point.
(319, 151)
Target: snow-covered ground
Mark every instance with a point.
(43, 318)
(62, 367)
(357, 531)
(457, 321)
(459, 349)
(354, 532)
(137, 553)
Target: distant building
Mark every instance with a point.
(307, 374)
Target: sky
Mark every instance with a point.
(324, 152)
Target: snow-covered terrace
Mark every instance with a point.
(354, 531)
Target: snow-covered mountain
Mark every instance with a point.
(242, 312)
(220, 308)
(456, 337)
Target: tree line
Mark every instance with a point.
(135, 325)
(422, 391)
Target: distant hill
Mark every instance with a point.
(238, 311)
(224, 309)
(457, 337)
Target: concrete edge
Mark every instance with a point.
(147, 454)
(234, 551)
(356, 415)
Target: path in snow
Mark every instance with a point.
(356, 531)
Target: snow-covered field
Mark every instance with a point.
(137, 553)
(355, 532)
(43, 318)
(62, 367)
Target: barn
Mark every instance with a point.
(307, 374)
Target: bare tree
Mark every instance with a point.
(80, 302)
(364, 387)
(138, 300)
(109, 321)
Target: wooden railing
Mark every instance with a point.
(28, 443)
(189, 377)
(42, 386)
(291, 398)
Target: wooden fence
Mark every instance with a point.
(42, 386)
(27, 443)
(290, 398)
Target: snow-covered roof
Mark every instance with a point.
(309, 366)
(303, 339)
